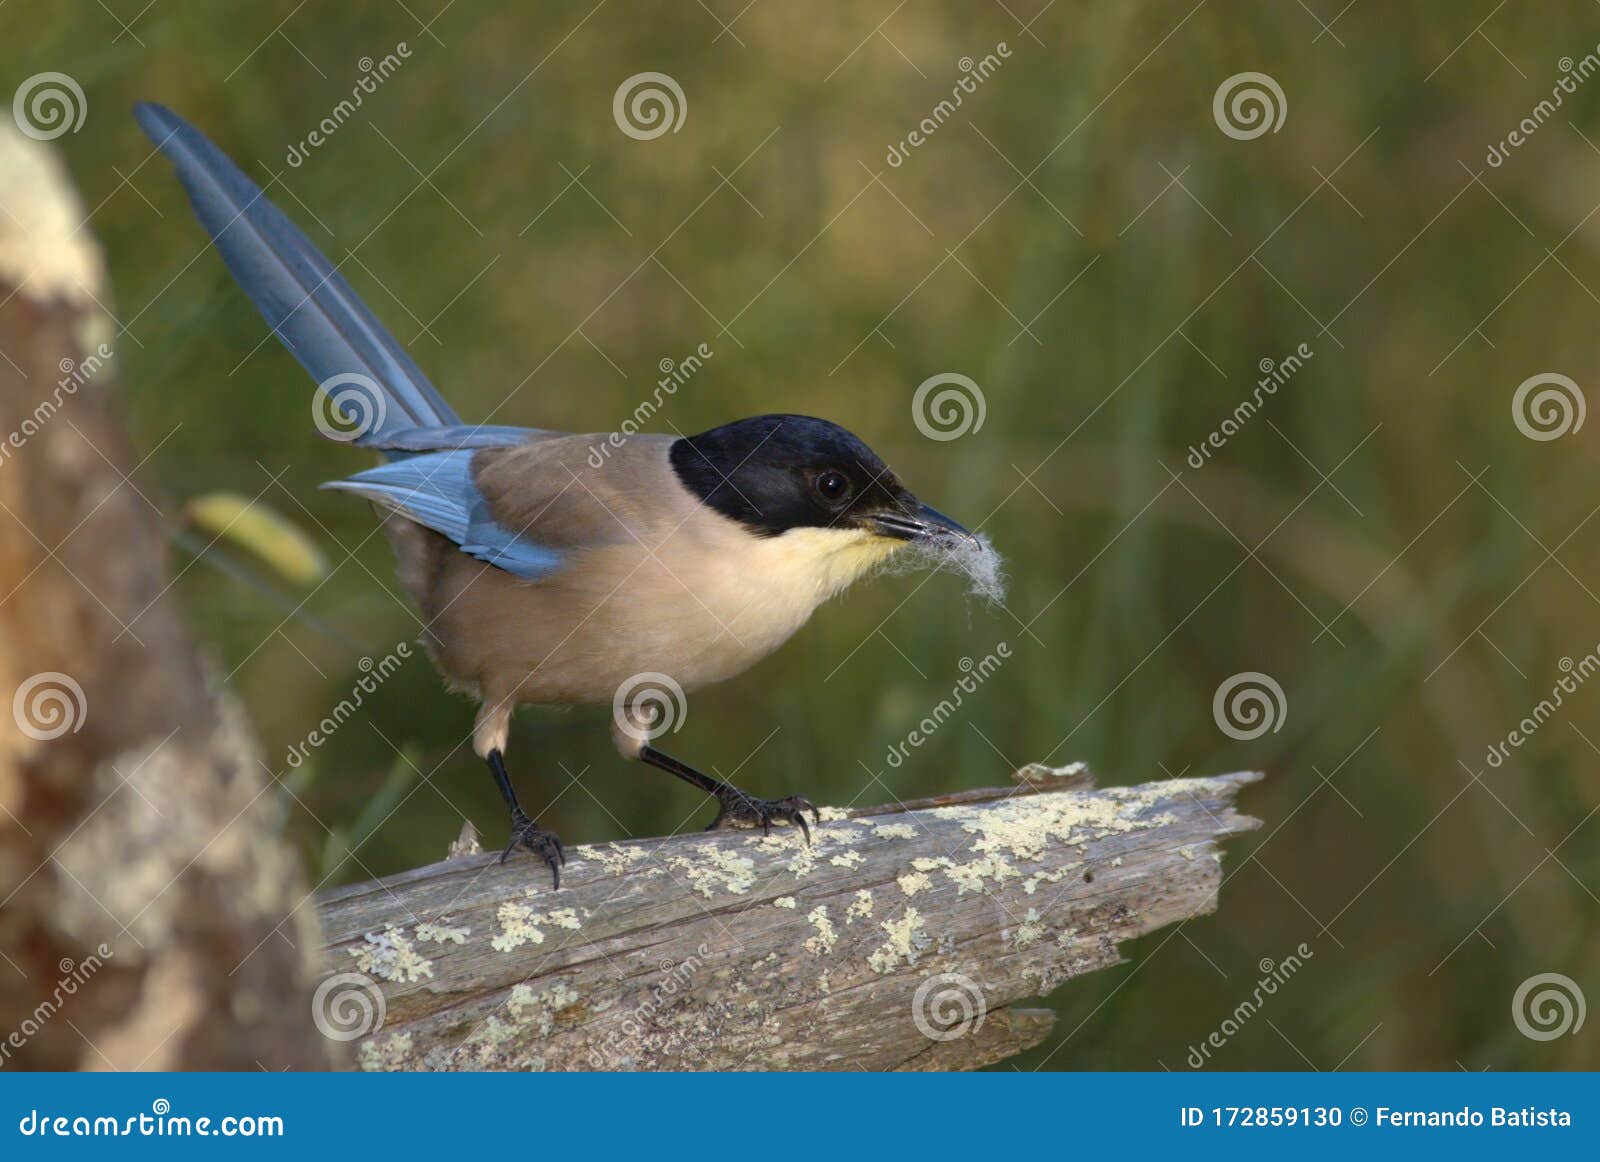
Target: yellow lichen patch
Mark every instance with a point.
(823, 941)
(803, 862)
(969, 877)
(848, 859)
(712, 868)
(783, 902)
(1066, 938)
(390, 955)
(564, 918)
(1029, 931)
(831, 833)
(833, 814)
(1022, 827)
(894, 831)
(779, 838)
(434, 933)
(861, 908)
(385, 1055)
(906, 942)
(518, 926)
(619, 860)
(1031, 884)
(498, 1043)
(521, 999)
(924, 864)
(491, 1035)
(538, 1010)
(913, 882)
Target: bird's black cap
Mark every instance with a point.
(774, 473)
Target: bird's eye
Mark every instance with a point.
(832, 487)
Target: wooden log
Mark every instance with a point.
(150, 906)
(901, 938)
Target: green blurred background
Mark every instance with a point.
(1381, 538)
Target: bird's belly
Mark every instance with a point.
(580, 634)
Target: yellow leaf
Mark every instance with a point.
(262, 530)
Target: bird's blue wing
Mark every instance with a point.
(308, 304)
(436, 489)
(452, 437)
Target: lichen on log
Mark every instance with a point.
(902, 937)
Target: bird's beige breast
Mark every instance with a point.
(700, 606)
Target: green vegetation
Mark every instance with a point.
(1377, 535)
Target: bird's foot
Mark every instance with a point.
(741, 810)
(545, 844)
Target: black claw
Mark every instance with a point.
(739, 808)
(801, 806)
(544, 844)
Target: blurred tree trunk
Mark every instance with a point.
(151, 914)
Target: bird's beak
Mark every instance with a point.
(920, 523)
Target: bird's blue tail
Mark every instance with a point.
(366, 376)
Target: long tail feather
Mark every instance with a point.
(308, 304)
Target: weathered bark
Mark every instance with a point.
(149, 908)
(878, 947)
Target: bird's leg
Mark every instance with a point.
(493, 727)
(737, 808)
(524, 831)
(630, 730)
